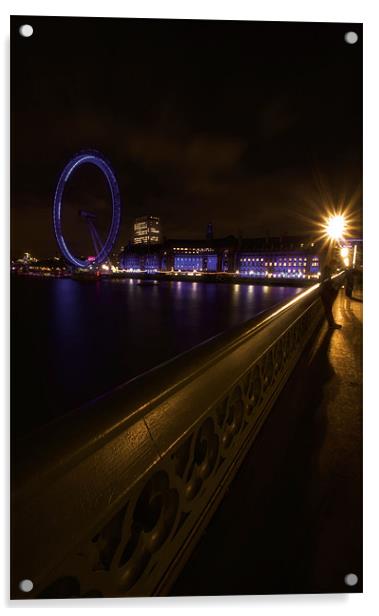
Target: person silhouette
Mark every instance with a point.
(349, 282)
(328, 294)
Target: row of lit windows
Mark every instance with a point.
(289, 259)
(288, 274)
(297, 269)
(194, 250)
(145, 233)
(198, 259)
(146, 221)
(142, 228)
(145, 239)
(246, 262)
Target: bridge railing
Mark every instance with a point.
(110, 500)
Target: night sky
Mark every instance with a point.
(253, 126)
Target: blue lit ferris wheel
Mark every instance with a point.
(102, 250)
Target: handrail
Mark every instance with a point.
(208, 351)
(76, 476)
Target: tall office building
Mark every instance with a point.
(147, 230)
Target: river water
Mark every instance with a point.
(73, 340)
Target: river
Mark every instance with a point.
(73, 340)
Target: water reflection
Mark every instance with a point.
(83, 338)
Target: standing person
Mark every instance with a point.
(328, 294)
(349, 282)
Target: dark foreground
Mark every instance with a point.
(292, 519)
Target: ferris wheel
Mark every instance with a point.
(102, 250)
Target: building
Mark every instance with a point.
(141, 258)
(293, 257)
(147, 230)
(190, 256)
(287, 258)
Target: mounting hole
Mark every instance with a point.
(351, 579)
(351, 37)
(26, 30)
(26, 585)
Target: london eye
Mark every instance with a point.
(102, 249)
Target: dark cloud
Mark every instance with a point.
(223, 121)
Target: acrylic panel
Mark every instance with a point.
(186, 307)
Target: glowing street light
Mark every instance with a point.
(335, 227)
(344, 252)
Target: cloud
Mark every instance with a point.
(201, 153)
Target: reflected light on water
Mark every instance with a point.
(109, 333)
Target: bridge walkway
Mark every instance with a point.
(291, 521)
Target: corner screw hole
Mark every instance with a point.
(26, 585)
(351, 579)
(26, 30)
(351, 37)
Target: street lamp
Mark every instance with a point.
(335, 227)
(344, 252)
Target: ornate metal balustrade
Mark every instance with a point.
(110, 500)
